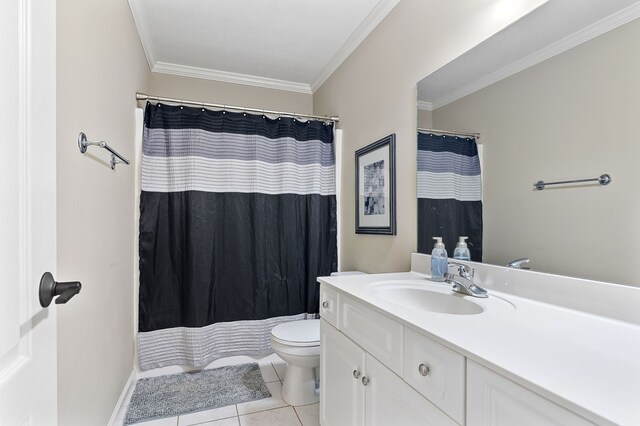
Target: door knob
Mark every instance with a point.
(50, 288)
(424, 369)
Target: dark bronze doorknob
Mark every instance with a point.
(50, 288)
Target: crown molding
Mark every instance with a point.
(230, 77)
(204, 73)
(603, 26)
(143, 32)
(425, 106)
(377, 14)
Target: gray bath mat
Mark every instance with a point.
(175, 394)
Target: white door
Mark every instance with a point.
(341, 371)
(27, 211)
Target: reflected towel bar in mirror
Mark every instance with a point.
(604, 179)
(83, 143)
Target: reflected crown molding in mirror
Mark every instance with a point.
(568, 42)
(425, 106)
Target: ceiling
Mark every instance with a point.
(553, 28)
(282, 44)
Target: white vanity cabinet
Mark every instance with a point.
(374, 370)
(494, 400)
(356, 389)
(361, 369)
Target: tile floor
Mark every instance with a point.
(264, 412)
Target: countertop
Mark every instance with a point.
(586, 363)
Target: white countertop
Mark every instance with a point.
(586, 363)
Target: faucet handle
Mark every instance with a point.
(518, 263)
(464, 270)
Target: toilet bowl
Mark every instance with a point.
(298, 343)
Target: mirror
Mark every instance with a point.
(554, 97)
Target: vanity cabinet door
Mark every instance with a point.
(390, 401)
(436, 372)
(342, 364)
(494, 400)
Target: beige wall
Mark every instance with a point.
(573, 116)
(374, 93)
(228, 93)
(425, 119)
(100, 66)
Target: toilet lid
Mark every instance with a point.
(300, 333)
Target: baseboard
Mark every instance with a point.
(123, 397)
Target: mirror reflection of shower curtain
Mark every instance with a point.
(237, 220)
(449, 193)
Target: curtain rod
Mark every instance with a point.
(454, 133)
(145, 97)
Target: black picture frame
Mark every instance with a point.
(376, 203)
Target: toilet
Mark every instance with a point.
(298, 343)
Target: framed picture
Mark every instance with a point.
(376, 187)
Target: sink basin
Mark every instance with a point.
(427, 297)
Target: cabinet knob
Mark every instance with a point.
(356, 374)
(325, 304)
(365, 380)
(423, 369)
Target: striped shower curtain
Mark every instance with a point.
(449, 193)
(237, 219)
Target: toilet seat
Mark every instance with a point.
(297, 333)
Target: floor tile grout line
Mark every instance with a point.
(306, 405)
(266, 409)
(274, 367)
(208, 421)
(238, 415)
(297, 415)
(273, 409)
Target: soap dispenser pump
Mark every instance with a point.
(439, 261)
(462, 251)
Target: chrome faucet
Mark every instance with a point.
(518, 263)
(463, 281)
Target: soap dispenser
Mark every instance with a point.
(462, 251)
(438, 260)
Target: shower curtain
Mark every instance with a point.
(449, 193)
(237, 219)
